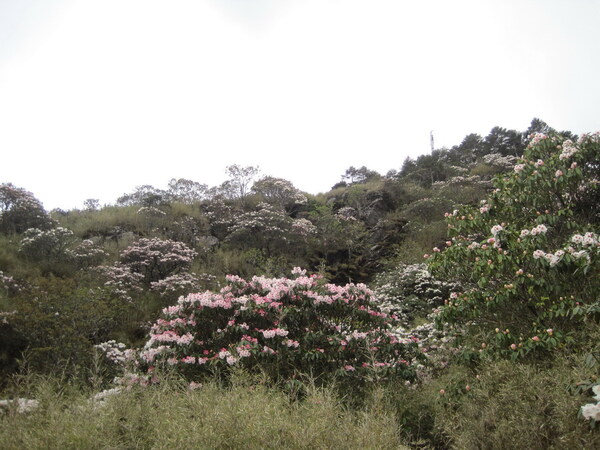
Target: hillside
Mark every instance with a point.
(329, 292)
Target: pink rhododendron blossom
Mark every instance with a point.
(201, 333)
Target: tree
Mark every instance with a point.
(240, 180)
(144, 195)
(156, 259)
(341, 242)
(20, 210)
(503, 141)
(528, 258)
(427, 169)
(464, 154)
(360, 175)
(91, 204)
(186, 191)
(279, 193)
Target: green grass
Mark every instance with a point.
(245, 415)
(507, 406)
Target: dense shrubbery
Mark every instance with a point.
(517, 278)
(410, 292)
(283, 328)
(527, 258)
(53, 324)
(20, 210)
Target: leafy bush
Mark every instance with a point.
(410, 292)
(527, 258)
(157, 259)
(56, 322)
(284, 328)
(20, 210)
(50, 246)
(55, 251)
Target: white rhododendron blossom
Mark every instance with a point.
(496, 229)
(592, 410)
(20, 405)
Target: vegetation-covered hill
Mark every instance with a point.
(511, 223)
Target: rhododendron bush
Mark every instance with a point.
(527, 258)
(281, 327)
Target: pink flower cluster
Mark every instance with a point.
(247, 322)
(568, 150)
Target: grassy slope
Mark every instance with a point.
(247, 416)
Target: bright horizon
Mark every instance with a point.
(97, 98)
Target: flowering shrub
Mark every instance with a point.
(20, 210)
(175, 285)
(221, 216)
(282, 327)
(155, 265)
(87, 254)
(592, 410)
(56, 246)
(156, 259)
(279, 193)
(499, 160)
(121, 281)
(50, 245)
(8, 284)
(410, 291)
(20, 405)
(413, 296)
(527, 258)
(269, 228)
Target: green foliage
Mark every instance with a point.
(245, 415)
(282, 328)
(58, 322)
(360, 175)
(510, 405)
(521, 282)
(527, 259)
(20, 210)
(51, 245)
(410, 292)
(109, 224)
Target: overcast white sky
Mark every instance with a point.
(97, 97)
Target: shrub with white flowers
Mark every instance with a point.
(410, 292)
(46, 245)
(20, 210)
(156, 259)
(528, 264)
